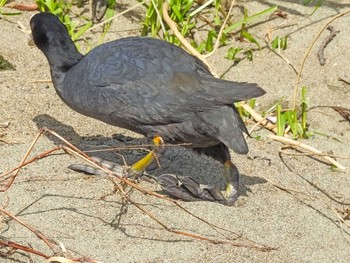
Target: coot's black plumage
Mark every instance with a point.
(148, 86)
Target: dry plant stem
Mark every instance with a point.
(145, 191)
(257, 117)
(136, 186)
(312, 197)
(159, 16)
(30, 228)
(216, 46)
(72, 260)
(42, 155)
(288, 190)
(314, 154)
(194, 236)
(297, 81)
(4, 243)
(75, 151)
(281, 56)
(22, 162)
(115, 17)
(90, 10)
(23, 6)
(325, 43)
(344, 80)
(136, 147)
(345, 113)
(184, 42)
(308, 148)
(148, 192)
(272, 128)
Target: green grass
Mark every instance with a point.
(5, 64)
(316, 3)
(294, 119)
(2, 3)
(279, 43)
(184, 12)
(62, 9)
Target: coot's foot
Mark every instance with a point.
(188, 189)
(181, 187)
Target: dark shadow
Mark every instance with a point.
(337, 224)
(116, 223)
(176, 160)
(133, 15)
(324, 192)
(10, 256)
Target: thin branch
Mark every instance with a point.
(115, 17)
(257, 117)
(119, 181)
(297, 81)
(216, 46)
(314, 154)
(325, 43)
(30, 228)
(13, 245)
(308, 148)
(282, 57)
(173, 27)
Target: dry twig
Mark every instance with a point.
(297, 80)
(325, 43)
(345, 113)
(119, 182)
(245, 106)
(115, 17)
(184, 42)
(216, 46)
(344, 80)
(308, 148)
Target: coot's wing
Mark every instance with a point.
(158, 83)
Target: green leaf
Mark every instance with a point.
(252, 103)
(280, 120)
(209, 44)
(10, 14)
(81, 31)
(177, 12)
(317, 5)
(250, 38)
(249, 54)
(201, 47)
(279, 43)
(232, 52)
(249, 19)
(2, 2)
(303, 110)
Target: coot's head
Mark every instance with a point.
(52, 38)
(46, 30)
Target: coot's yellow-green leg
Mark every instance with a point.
(232, 182)
(140, 166)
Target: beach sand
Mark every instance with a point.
(301, 222)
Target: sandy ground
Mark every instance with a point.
(66, 206)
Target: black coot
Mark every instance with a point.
(153, 88)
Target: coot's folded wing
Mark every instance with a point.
(159, 85)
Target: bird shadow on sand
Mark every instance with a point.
(60, 204)
(175, 160)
